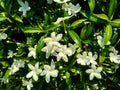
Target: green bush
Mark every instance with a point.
(59, 44)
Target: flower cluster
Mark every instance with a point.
(78, 51)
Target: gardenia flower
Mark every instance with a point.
(114, 57)
(52, 43)
(32, 52)
(71, 9)
(16, 65)
(3, 36)
(35, 71)
(94, 72)
(28, 84)
(49, 71)
(24, 7)
(63, 53)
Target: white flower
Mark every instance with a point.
(92, 58)
(59, 1)
(94, 72)
(50, 51)
(95, 87)
(82, 59)
(60, 19)
(72, 47)
(3, 36)
(49, 71)
(10, 54)
(32, 52)
(52, 44)
(100, 41)
(114, 57)
(24, 7)
(49, 1)
(35, 71)
(71, 9)
(16, 65)
(28, 84)
(63, 53)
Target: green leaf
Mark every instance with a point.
(6, 76)
(82, 33)
(107, 34)
(101, 59)
(40, 44)
(51, 27)
(102, 16)
(91, 5)
(68, 80)
(89, 29)
(30, 29)
(112, 8)
(114, 38)
(17, 18)
(77, 22)
(115, 23)
(2, 18)
(75, 37)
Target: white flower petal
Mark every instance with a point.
(47, 77)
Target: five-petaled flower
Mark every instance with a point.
(49, 71)
(28, 84)
(35, 71)
(24, 7)
(94, 72)
(52, 43)
(32, 51)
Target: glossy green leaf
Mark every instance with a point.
(114, 38)
(82, 33)
(77, 22)
(91, 5)
(40, 44)
(2, 18)
(75, 37)
(115, 23)
(89, 29)
(107, 34)
(102, 16)
(6, 75)
(101, 59)
(112, 8)
(51, 27)
(68, 80)
(30, 29)
(17, 18)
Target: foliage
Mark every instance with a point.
(59, 44)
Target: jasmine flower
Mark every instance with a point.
(28, 84)
(63, 52)
(16, 65)
(24, 7)
(49, 71)
(94, 72)
(3, 36)
(82, 58)
(71, 9)
(32, 52)
(61, 1)
(114, 57)
(35, 71)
